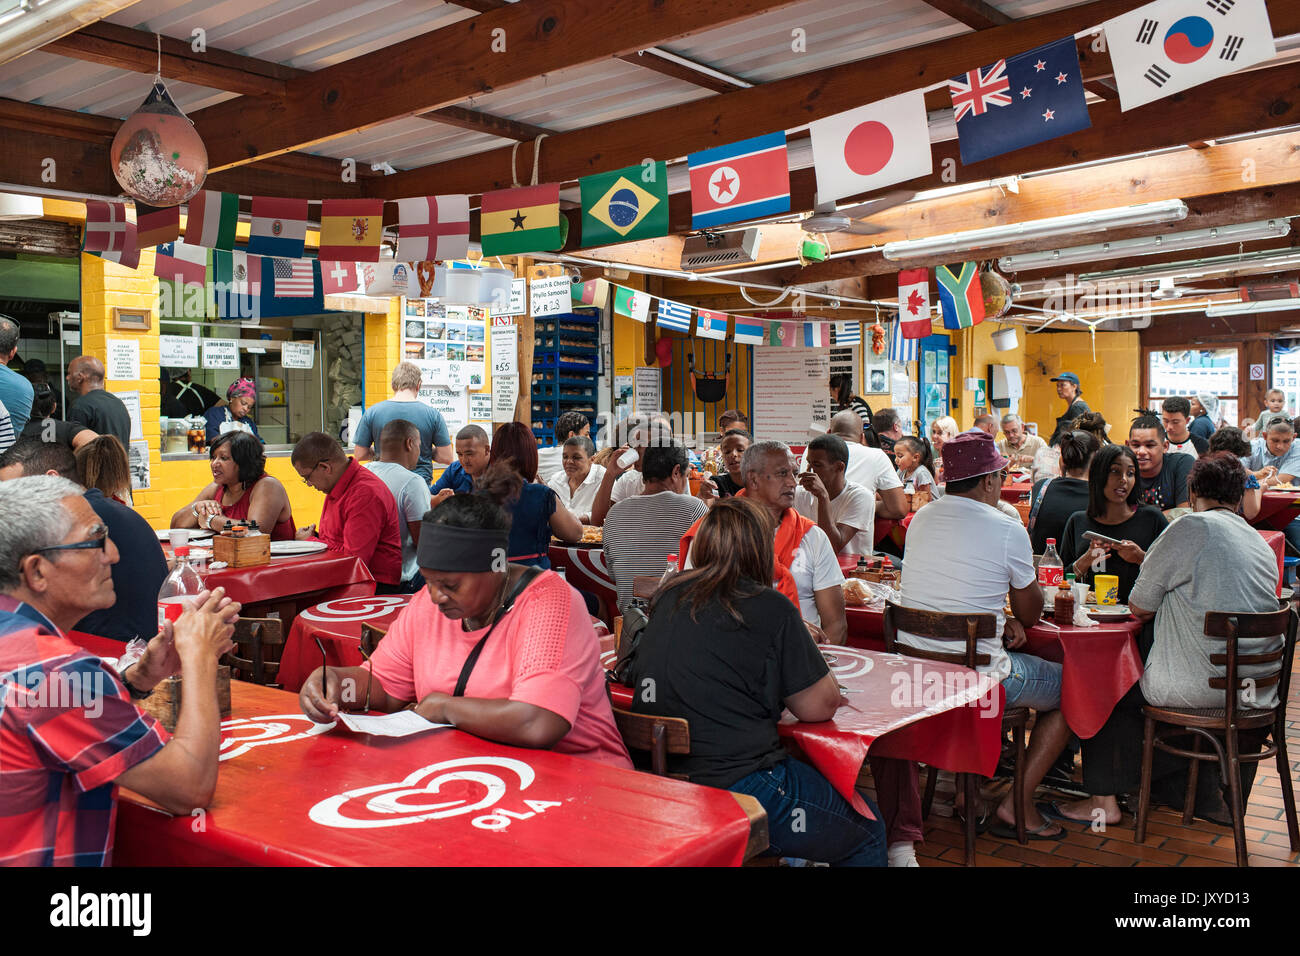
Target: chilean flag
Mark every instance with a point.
(745, 180)
(914, 303)
(872, 146)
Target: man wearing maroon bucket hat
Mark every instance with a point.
(964, 556)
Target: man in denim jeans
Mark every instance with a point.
(965, 556)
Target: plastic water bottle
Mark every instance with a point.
(1051, 572)
(180, 590)
(669, 572)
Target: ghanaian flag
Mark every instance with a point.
(516, 221)
(351, 230)
(625, 205)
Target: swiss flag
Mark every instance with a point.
(338, 277)
(914, 303)
(870, 147)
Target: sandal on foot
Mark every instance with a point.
(1007, 831)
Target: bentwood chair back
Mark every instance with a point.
(370, 638)
(1221, 727)
(963, 631)
(660, 736)
(645, 587)
(259, 642)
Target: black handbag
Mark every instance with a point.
(635, 619)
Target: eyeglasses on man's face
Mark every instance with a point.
(98, 539)
(306, 479)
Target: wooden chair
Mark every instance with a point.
(661, 736)
(1220, 726)
(966, 629)
(645, 587)
(259, 642)
(370, 638)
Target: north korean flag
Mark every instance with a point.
(745, 180)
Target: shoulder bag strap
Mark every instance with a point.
(524, 580)
(1033, 511)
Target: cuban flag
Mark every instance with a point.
(902, 349)
(848, 333)
(745, 180)
(1173, 45)
(710, 325)
(816, 334)
(750, 332)
(1019, 101)
(674, 315)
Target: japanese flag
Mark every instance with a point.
(871, 147)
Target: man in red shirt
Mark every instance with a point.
(360, 515)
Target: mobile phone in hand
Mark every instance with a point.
(1101, 539)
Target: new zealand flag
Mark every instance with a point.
(1019, 101)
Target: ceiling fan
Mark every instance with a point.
(826, 218)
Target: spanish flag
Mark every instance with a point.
(516, 221)
(351, 230)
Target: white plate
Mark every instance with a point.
(1102, 612)
(283, 548)
(195, 535)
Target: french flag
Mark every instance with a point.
(816, 334)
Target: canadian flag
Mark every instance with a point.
(914, 303)
(871, 146)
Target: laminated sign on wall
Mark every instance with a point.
(298, 354)
(220, 353)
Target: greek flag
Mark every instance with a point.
(674, 315)
(901, 349)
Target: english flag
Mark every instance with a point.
(745, 180)
(432, 227)
(872, 146)
(1173, 45)
(914, 303)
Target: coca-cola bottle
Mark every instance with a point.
(1051, 572)
(180, 589)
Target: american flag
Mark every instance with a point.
(901, 349)
(293, 279)
(979, 89)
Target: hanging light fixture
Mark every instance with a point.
(157, 155)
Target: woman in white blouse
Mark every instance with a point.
(578, 483)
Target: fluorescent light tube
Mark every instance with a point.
(1218, 310)
(1143, 214)
(1147, 245)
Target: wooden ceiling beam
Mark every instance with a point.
(136, 50)
(463, 118)
(451, 64)
(652, 60)
(782, 104)
(975, 14)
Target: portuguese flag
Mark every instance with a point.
(516, 221)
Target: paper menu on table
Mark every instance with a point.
(403, 723)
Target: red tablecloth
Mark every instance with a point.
(1277, 541)
(292, 794)
(338, 625)
(1013, 491)
(1099, 664)
(897, 707)
(586, 570)
(1277, 509)
(302, 580)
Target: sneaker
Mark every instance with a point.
(903, 854)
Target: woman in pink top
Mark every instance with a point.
(500, 655)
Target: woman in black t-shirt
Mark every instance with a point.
(1113, 511)
(729, 653)
(1056, 499)
(43, 427)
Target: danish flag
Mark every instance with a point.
(980, 90)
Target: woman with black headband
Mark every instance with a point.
(499, 650)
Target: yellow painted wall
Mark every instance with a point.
(1110, 381)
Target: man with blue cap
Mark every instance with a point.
(1067, 387)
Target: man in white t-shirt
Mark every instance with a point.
(842, 509)
(870, 467)
(964, 556)
(399, 455)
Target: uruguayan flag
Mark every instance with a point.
(848, 333)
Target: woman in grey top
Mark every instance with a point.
(1210, 560)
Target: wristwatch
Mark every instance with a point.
(135, 692)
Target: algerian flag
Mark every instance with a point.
(631, 303)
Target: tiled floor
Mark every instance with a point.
(1168, 842)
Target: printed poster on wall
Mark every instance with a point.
(452, 403)
(123, 364)
(480, 408)
(220, 353)
(646, 395)
(505, 350)
(178, 351)
(138, 462)
(132, 402)
(790, 392)
(434, 335)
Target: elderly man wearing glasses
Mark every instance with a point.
(359, 517)
(68, 728)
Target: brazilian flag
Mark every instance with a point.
(625, 205)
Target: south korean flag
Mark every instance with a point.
(1173, 45)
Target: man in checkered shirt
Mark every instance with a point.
(69, 732)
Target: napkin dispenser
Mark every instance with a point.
(164, 704)
(239, 547)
